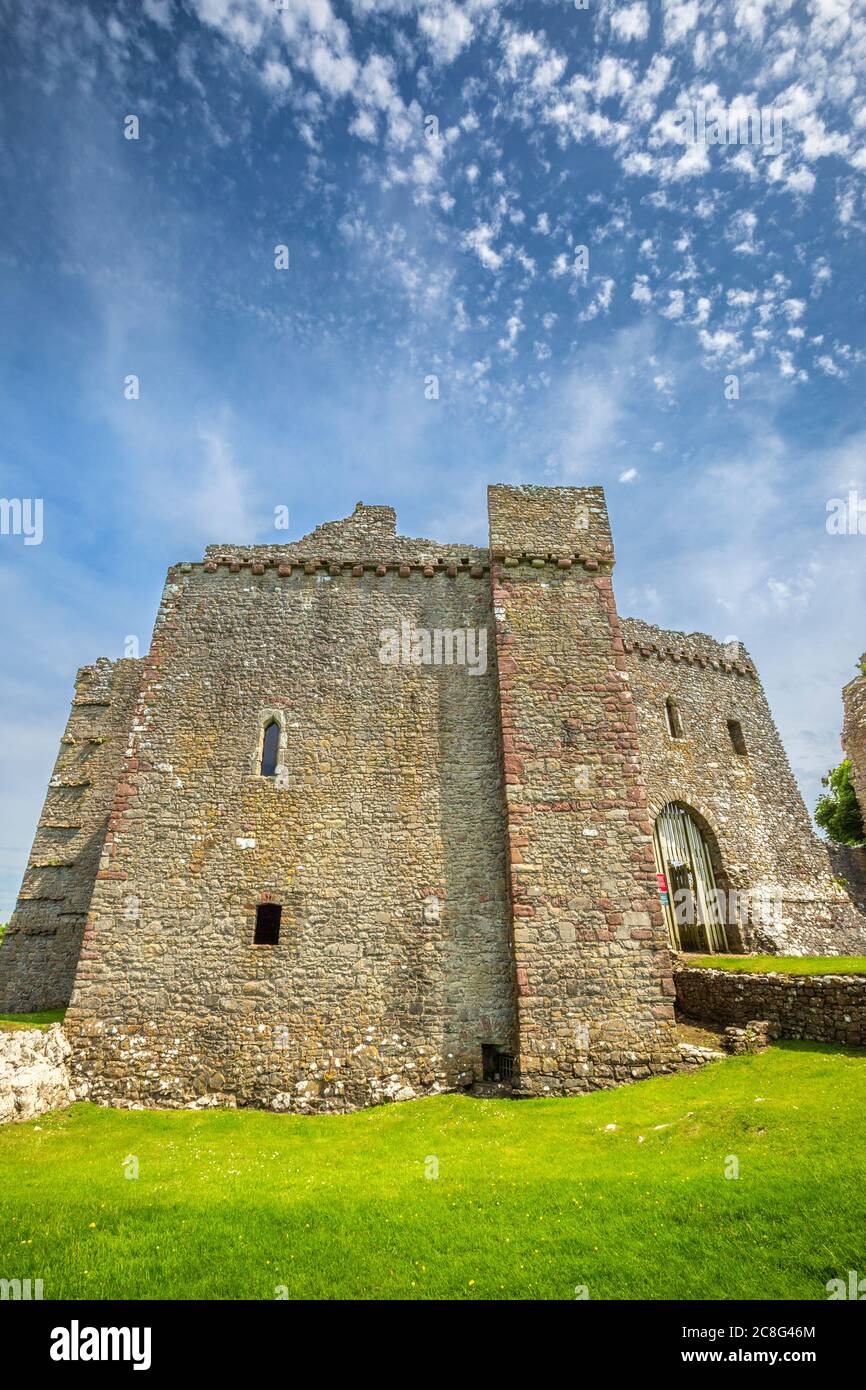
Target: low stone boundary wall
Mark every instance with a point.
(823, 1008)
(34, 1075)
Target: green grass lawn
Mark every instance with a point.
(533, 1198)
(39, 1020)
(784, 965)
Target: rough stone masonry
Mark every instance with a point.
(275, 869)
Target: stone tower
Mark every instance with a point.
(593, 969)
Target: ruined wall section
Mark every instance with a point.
(40, 950)
(751, 803)
(594, 985)
(382, 838)
(854, 734)
(370, 532)
(848, 865)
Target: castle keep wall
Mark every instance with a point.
(382, 837)
(594, 987)
(39, 953)
(750, 802)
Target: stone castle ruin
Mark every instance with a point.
(377, 817)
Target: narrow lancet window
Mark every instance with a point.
(270, 749)
(674, 722)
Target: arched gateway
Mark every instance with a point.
(687, 883)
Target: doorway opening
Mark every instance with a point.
(687, 881)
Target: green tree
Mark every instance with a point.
(837, 811)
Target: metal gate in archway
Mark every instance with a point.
(687, 884)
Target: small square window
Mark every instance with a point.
(735, 729)
(267, 924)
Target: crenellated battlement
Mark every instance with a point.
(693, 648)
(449, 564)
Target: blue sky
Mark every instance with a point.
(419, 247)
